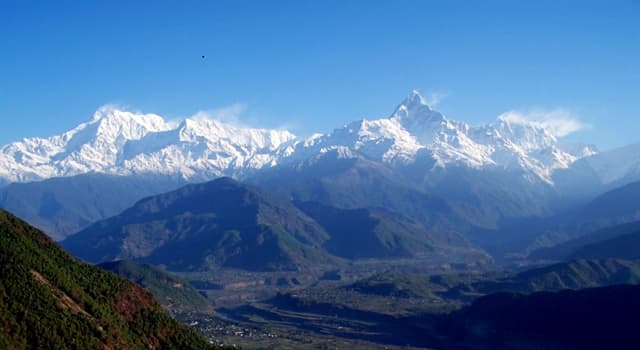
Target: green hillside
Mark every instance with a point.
(172, 292)
(49, 300)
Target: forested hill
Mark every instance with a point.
(49, 300)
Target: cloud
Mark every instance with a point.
(435, 98)
(559, 122)
(230, 114)
(239, 115)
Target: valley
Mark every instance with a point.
(407, 232)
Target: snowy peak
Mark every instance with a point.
(414, 131)
(413, 100)
(528, 135)
(414, 109)
(215, 131)
(112, 124)
(117, 141)
(113, 116)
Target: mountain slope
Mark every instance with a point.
(352, 183)
(172, 292)
(219, 223)
(606, 170)
(595, 318)
(366, 233)
(615, 207)
(226, 223)
(63, 206)
(49, 300)
(564, 250)
(622, 247)
(575, 274)
(373, 233)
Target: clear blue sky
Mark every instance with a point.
(315, 65)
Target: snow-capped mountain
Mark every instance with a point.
(416, 131)
(124, 143)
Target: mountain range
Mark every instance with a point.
(217, 223)
(224, 223)
(476, 183)
(120, 142)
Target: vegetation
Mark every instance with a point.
(396, 308)
(218, 223)
(49, 300)
(224, 223)
(575, 274)
(172, 292)
(395, 285)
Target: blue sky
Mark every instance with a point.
(315, 65)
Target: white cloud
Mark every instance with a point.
(559, 122)
(435, 98)
(229, 114)
(238, 115)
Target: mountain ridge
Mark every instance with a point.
(120, 142)
(225, 223)
(217, 223)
